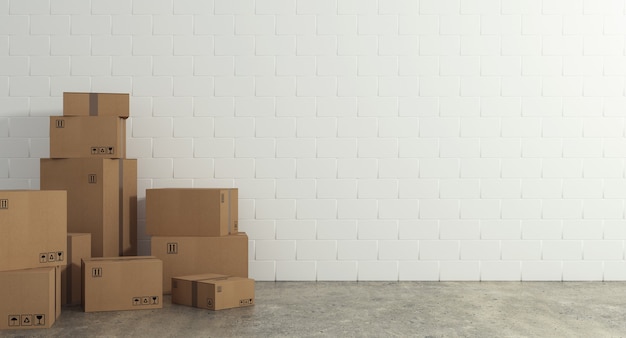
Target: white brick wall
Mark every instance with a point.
(370, 139)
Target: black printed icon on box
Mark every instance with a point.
(60, 256)
(27, 320)
(154, 300)
(110, 150)
(4, 203)
(40, 320)
(92, 179)
(209, 303)
(94, 150)
(60, 123)
(43, 257)
(102, 150)
(172, 248)
(145, 300)
(96, 272)
(14, 320)
(52, 257)
(136, 301)
(243, 302)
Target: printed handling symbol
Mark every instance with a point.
(59, 256)
(145, 300)
(52, 257)
(155, 300)
(27, 320)
(14, 320)
(41, 320)
(136, 301)
(43, 258)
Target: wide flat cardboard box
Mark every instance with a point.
(30, 299)
(96, 104)
(213, 292)
(87, 136)
(183, 256)
(192, 212)
(78, 248)
(33, 229)
(101, 200)
(122, 283)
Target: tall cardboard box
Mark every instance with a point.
(87, 137)
(122, 283)
(30, 299)
(101, 200)
(33, 229)
(182, 256)
(78, 248)
(96, 104)
(192, 212)
(213, 292)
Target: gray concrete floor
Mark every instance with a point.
(375, 309)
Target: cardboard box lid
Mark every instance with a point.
(120, 259)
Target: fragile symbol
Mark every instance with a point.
(172, 248)
(136, 301)
(43, 258)
(27, 320)
(111, 150)
(4, 204)
(40, 320)
(14, 320)
(155, 300)
(59, 256)
(52, 257)
(92, 178)
(96, 272)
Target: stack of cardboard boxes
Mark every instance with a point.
(33, 230)
(64, 244)
(87, 159)
(195, 231)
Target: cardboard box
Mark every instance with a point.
(213, 292)
(101, 200)
(96, 104)
(122, 283)
(182, 256)
(78, 248)
(87, 137)
(30, 298)
(192, 212)
(33, 229)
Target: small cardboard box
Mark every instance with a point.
(87, 137)
(78, 248)
(182, 256)
(101, 200)
(122, 283)
(96, 104)
(30, 298)
(33, 229)
(213, 292)
(192, 212)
